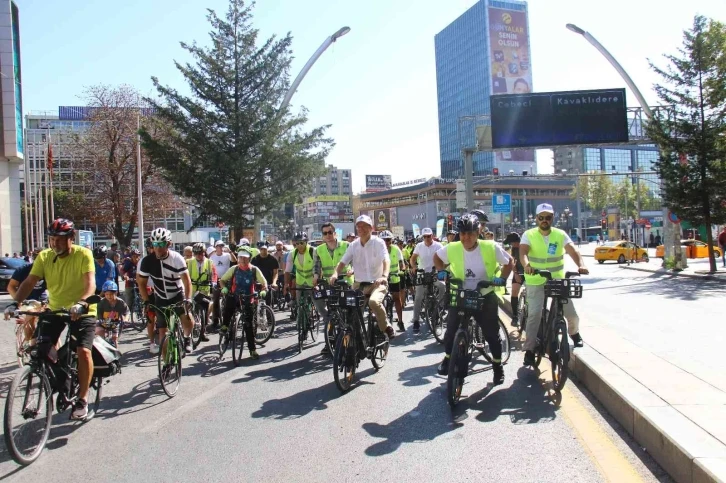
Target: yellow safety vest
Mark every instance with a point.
(395, 271)
(328, 264)
(197, 278)
(303, 267)
(455, 253)
(546, 256)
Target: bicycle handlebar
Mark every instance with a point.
(480, 285)
(548, 274)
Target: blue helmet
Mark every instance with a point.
(109, 286)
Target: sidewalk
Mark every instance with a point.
(664, 400)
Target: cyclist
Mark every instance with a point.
(68, 271)
(397, 267)
(513, 240)
(244, 242)
(350, 237)
(39, 293)
(450, 237)
(326, 257)
(268, 266)
(128, 270)
(371, 265)
(483, 220)
(543, 248)
(473, 260)
(105, 268)
(172, 284)
(188, 253)
(243, 278)
(423, 258)
(201, 272)
(223, 259)
(111, 308)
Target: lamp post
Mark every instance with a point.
(565, 218)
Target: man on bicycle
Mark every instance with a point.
(513, 240)
(302, 261)
(242, 278)
(69, 273)
(371, 266)
(223, 259)
(202, 273)
(473, 260)
(543, 248)
(327, 256)
(423, 258)
(172, 285)
(128, 270)
(397, 267)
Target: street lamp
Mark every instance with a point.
(565, 218)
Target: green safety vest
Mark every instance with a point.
(304, 267)
(328, 264)
(254, 252)
(204, 277)
(395, 271)
(407, 252)
(546, 257)
(455, 253)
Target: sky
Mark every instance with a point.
(376, 86)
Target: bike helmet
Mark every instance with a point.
(244, 242)
(244, 252)
(301, 236)
(100, 252)
(481, 216)
(261, 244)
(160, 235)
(386, 235)
(198, 248)
(512, 238)
(468, 223)
(61, 227)
(452, 232)
(109, 286)
(135, 251)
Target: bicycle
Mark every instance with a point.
(54, 371)
(355, 340)
(468, 338)
(552, 335)
(139, 318)
(171, 350)
(263, 320)
(307, 319)
(236, 326)
(431, 311)
(21, 325)
(108, 327)
(331, 294)
(200, 308)
(522, 310)
(279, 302)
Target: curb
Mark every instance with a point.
(678, 274)
(672, 456)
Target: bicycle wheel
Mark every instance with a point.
(169, 364)
(28, 414)
(313, 323)
(237, 332)
(264, 325)
(458, 367)
(439, 324)
(94, 396)
(197, 316)
(344, 359)
(223, 342)
(331, 330)
(425, 314)
(302, 324)
(522, 311)
(503, 337)
(22, 356)
(560, 356)
(380, 349)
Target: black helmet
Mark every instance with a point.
(468, 223)
(300, 236)
(481, 216)
(100, 252)
(512, 238)
(261, 244)
(61, 227)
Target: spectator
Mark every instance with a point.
(722, 244)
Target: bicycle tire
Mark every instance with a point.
(313, 322)
(237, 331)
(560, 357)
(261, 337)
(301, 330)
(506, 344)
(172, 359)
(94, 394)
(223, 342)
(522, 311)
(439, 324)
(197, 316)
(18, 455)
(458, 367)
(21, 355)
(425, 313)
(380, 349)
(343, 366)
(331, 330)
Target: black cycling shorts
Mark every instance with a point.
(82, 330)
(394, 287)
(161, 322)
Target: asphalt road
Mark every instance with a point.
(281, 418)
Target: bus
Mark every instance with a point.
(591, 234)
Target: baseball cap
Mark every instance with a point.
(244, 252)
(365, 219)
(426, 231)
(545, 208)
(219, 242)
(244, 241)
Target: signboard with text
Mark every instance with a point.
(382, 220)
(377, 182)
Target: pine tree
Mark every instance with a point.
(692, 164)
(228, 148)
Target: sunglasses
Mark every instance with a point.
(328, 232)
(544, 218)
(427, 236)
(297, 244)
(158, 244)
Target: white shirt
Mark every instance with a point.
(367, 260)
(221, 262)
(525, 240)
(426, 255)
(475, 269)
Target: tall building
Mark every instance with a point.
(485, 51)
(330, 200)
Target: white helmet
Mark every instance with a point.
(244, 242)
(160, 235)
(385, 234)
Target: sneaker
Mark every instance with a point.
(188, 345)
(80, 410)
(203, 338)
(390, 332)
(529, 358)
(444, 366)
(154, 348)
(416, 326)
(498, 373)
(401, 328)
(325, 350)
(254, 355)
(515, 322)
(577, 339)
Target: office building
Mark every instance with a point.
(329, 200)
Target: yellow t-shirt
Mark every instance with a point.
(64, 276)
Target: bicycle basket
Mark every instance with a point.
(323, 292)
(350, 298)
(425, 278)
(467, 299)
(566, 288)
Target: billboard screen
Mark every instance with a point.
(382, 220)
(510, 64)
(559, 118)
(377, 182)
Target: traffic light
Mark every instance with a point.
(604, 224)
(495, 171)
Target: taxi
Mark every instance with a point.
(620, 251)
(701, 249)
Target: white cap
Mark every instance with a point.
(242, 241)
(545, 208)
(219, 242)
(365, 219)
(244, 252)
(426, 231)
(211, 249)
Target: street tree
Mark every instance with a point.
(104, 164)
(596, 192)
(227, 147)
(691, 139)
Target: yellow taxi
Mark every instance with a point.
(620, 251)
(700, 248)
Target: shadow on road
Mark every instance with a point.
(294, 369)
(417, 376)
(141, 397)
(682, 288)
(298, 405)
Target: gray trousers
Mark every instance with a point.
(439, 289)
(535, 299)
(322, 307)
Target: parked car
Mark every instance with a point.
(620, 251)
(7, 267)
(700, 247)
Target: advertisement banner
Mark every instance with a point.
(339, 233)
(398, 231)
(511, 67)
(377, 182)
(416, 230)
(382, 220)
(439, 228)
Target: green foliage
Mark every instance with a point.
(596, 192)
(227, 147)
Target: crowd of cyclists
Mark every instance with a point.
(379, 265)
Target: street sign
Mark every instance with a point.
(673, 218)
(502, 204)
(461, 194)
(85, 238)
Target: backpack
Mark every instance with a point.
(106, 358)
